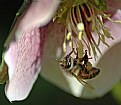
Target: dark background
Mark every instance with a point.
(43, 93)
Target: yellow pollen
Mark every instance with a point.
(68, 36)
(80, 35)
(80, 26)
(64, 47)
(70, 44)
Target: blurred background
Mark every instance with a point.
(43, 92)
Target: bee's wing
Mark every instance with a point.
(83, 82)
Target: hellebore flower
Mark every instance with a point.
(35, 39)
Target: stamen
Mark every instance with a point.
(115, 21)
(68, 37)
(80, 26)
(78, 14)
(80, 35)
(73, 16)
(70, 44)
(89, 18)
(72, 23)
(81, 17)
(64, 46)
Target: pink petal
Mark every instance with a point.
(39, 13)
(23, 59)
(24, 53)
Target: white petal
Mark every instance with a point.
(39, 13)
(109, 64)
(53, 48)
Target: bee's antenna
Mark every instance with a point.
(55, 58)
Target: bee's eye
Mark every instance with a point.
(68, 62)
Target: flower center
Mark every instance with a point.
(81, 18)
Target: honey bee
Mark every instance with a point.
(80, 68)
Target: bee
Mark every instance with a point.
(80, 68)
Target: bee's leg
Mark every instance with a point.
(86, 84)
(71, 52)
(77, 54)
(82, 81)
(85, 58)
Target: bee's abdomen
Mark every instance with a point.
(76, 70)
(89, 74)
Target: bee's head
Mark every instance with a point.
(67, 62)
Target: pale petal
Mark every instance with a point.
(109, 64)
(113, 5)
(53, 48)
(25, 48)
(38, 13)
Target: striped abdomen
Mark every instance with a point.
(88, 74)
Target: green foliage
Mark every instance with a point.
(117, 93)
(99, 4)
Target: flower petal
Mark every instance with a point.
(108, 63)
(25, 48)
(113, 5)
(23, 59)
(38, 13)
(53, 48)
